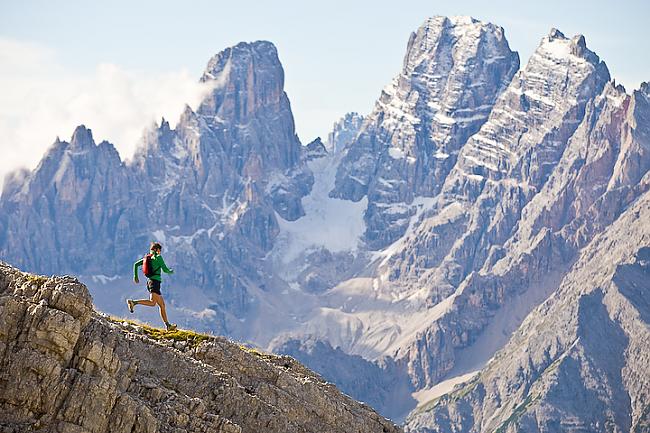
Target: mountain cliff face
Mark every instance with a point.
(398, 258)
(66, 202)
(579, 362)
(561, 155)
(487, 195)
(66, 368)
(453, 71)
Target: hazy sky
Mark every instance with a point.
(116, 66)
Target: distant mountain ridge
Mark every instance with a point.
(414, 248)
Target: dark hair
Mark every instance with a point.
(155, 246)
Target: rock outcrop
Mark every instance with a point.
(344, 131)
(66, 368)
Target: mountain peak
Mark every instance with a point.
(164, 125)
(219, 65)
(555, 34)
(453, 72)
(462, 34)
(82, 138)
(576, 41)
(344, 131)
(453, 21)
(557, 48)
(433, 27)
(248, 78)
(315, 149)
(463, 20)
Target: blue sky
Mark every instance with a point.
(337, 55)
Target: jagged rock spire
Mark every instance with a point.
(82, 138)
(453, 72)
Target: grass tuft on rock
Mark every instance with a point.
(193, 339)
(37, 280)
(257, 352)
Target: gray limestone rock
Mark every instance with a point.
(66, 368)
(579, 362)
(488, 193)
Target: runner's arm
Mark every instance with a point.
(136, 265)
(164, 267)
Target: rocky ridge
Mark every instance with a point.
(66, 368)
(344, 131)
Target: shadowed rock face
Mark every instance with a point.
(385, 387)
(65, 368)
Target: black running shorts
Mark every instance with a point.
(154, 286)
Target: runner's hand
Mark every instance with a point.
(136, 280)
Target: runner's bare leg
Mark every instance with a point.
(158, 299)
(146, 302)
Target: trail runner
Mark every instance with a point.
(155, 264)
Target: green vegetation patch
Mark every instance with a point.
(426, 407)
(258, 353)
(193, 339)
(37, 280)
(466, 389)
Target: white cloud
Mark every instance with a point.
(42, 99)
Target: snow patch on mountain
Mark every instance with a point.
(331, 223)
